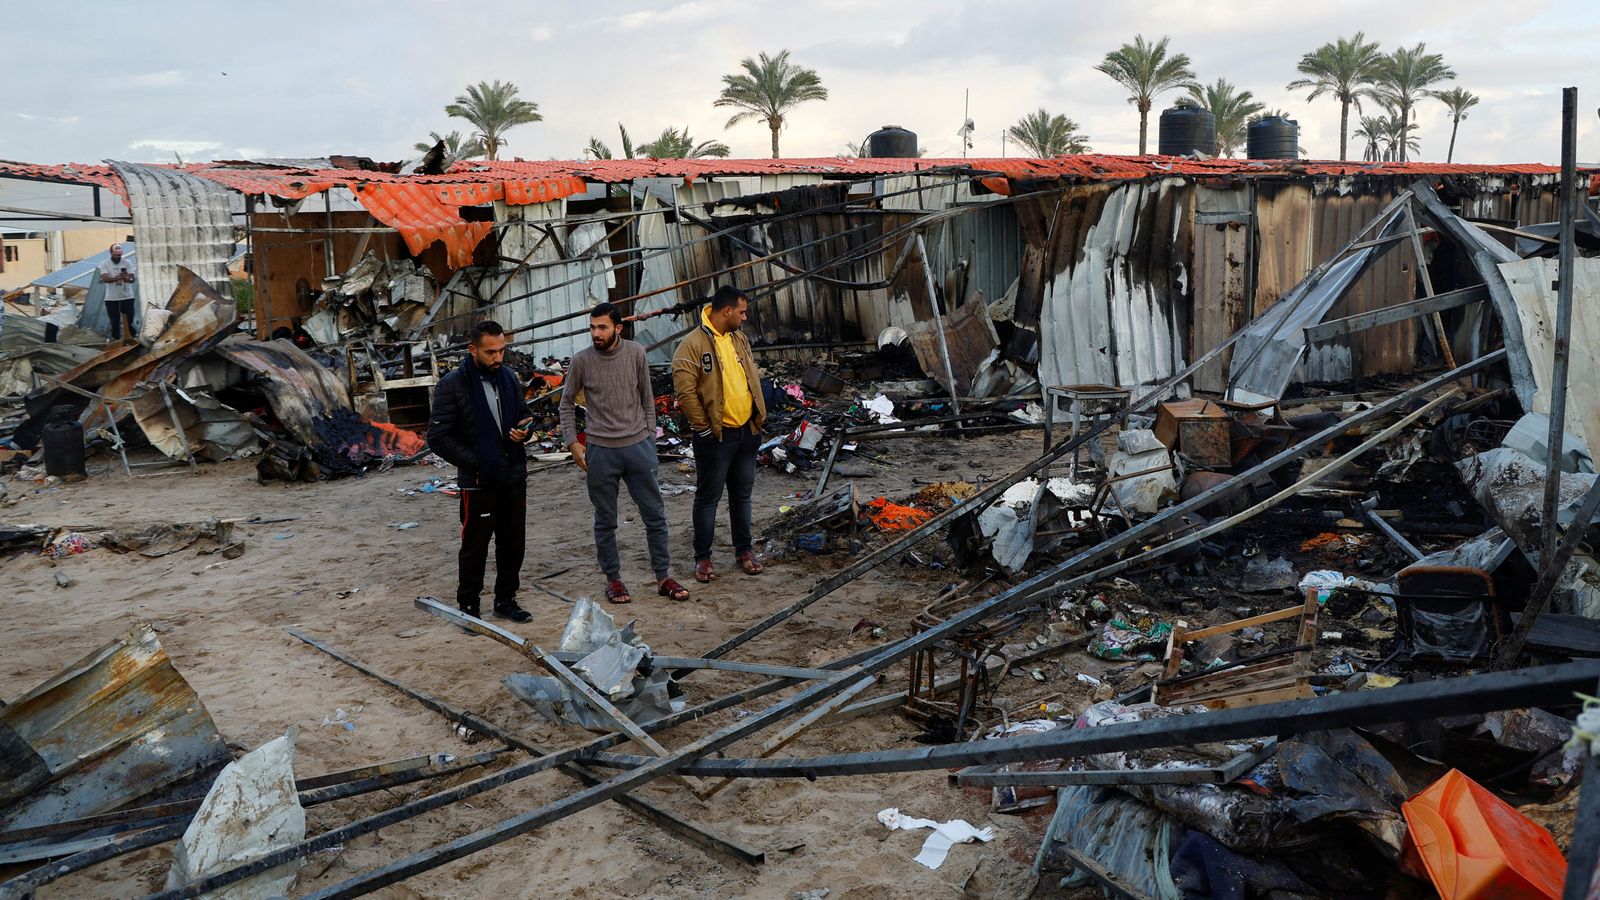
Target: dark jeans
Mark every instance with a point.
(117, 310)
(635, 465)
(500, 514)
(730, 461)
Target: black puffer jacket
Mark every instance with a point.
(452, 433)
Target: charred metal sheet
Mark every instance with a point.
(117, 725)
(179, 221)
(1107, 310)
(300, 390)
(210, 429)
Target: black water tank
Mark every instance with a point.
(1187, 129)
(62, 438)
(1274, 138)
(892, 142)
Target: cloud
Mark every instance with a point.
(541, 32)
(182, 148)
(58, 120)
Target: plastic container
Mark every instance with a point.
(1475, 845)
(63, 448)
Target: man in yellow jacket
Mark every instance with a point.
(719, 388)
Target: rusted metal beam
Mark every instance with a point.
(1400, 312)
(1533, 686)
(987, 776)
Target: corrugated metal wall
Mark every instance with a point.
(1299, 226)
(1111, 311)
(178, 220)
(580, 252)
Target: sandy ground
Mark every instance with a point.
(340, 573)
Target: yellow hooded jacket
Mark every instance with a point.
(716, 381)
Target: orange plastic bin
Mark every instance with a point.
(1473, 844)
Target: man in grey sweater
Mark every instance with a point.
(614, 379)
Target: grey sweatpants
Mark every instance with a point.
(634, 464)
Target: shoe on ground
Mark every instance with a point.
(513, 612)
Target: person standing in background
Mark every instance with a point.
(118, 276)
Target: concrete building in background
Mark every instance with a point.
(26, 256)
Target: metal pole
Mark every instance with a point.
(938, 323)
(1563, 335)
(1585, 848)
(1536, 686)
(327, 240)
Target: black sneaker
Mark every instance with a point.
(513, 612)
(472, 611)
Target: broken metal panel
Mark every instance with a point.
(1530, 283)
(1108, 313)
(524, 236)
(1299, 225)
(300, 390)
(117, 725)
(1389, 279)
(210, 430)
(178, 220)
(970, 338)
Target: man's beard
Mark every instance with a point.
(607, 345)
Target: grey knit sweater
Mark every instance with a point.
(620, 409)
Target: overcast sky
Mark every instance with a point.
(226, 81)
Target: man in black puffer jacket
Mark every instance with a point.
(480, 423)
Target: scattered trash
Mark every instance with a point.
(945, 835)
(70, 544)
(1473, 844)
(894, 517)
(1120, 640)
(402, 526)
(342, 718)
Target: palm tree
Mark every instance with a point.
(493, 108)
(1371, 130)
(598, 149)
(768, 90)
(1345, 69)
(1405, 76)
(456, 147)
(1146, 71)
(1400, 136)
(1045, 135)
(677, 144)
(854, 149)
(1458, 101)
(1231, 107)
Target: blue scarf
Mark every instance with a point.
(491, 440)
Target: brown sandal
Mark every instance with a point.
(616, 592)
(748, 562)
(671, 588)
(703, 572)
